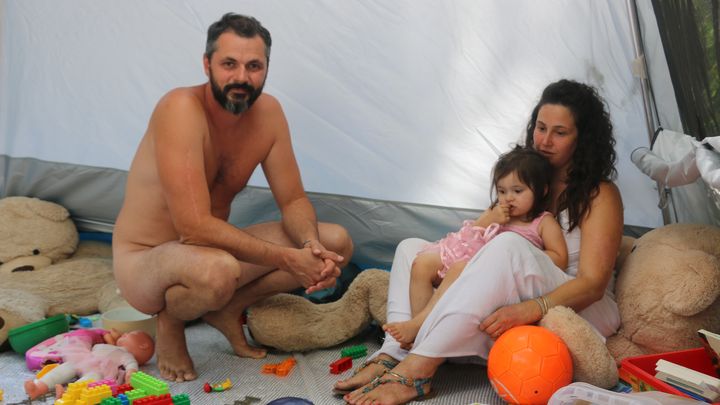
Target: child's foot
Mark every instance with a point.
(35, 389)
(403, 332)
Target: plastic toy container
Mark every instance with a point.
(27, 336)
(639, 371)
(583, 393)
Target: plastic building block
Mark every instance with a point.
(354, 351)
(285, 367)
(281, 369)
(268, 368)
(148, 383)
(111, 401)
(338, 366)
(73, 392)
(109, 382)
(181, 399)
(1, 395)
(94, 395)
(164, 399)
(134, 394)
(123, 388)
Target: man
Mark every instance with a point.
(175, 254)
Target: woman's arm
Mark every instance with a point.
(601, 234)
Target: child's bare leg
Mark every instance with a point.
(405, 332)
(423, 279)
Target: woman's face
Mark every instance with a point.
(555, 134)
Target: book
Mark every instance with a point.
(711, 343)
(688, 379)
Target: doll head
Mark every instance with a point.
(139, 344)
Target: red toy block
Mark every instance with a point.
(338, 366)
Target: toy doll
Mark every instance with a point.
(117, 359)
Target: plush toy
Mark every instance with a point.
(667, 287)
(293, 323)
(44, 270)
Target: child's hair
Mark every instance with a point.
(532, 168)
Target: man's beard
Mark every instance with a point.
(239, 105)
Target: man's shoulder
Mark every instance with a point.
(183, 94)
(267, 103)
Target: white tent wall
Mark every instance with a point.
(401, 104)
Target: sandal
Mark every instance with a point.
(389, 364)
(416, 383)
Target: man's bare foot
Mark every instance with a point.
(374, 368)
(35, 389)
(394, 392)
(230, 324)
(403, 332)
(173, 359)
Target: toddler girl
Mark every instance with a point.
(521, 180)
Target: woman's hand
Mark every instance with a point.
(504, 318)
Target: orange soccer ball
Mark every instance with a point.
(527, 364)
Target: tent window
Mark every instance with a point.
(690, 32)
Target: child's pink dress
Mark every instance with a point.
(463, 244)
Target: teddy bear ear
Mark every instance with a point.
(28, 207)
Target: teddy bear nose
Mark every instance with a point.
(23, 268)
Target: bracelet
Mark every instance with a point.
(541, 301)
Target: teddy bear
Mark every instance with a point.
(667, 287)
(292, 323)
(44, 270)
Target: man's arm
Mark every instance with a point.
(283, 175)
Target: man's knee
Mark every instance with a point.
(336, 238)
(217, 282)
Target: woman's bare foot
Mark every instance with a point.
(173, 359)
(231, 326)
(396, 393)
(366, 374)
(403, 332)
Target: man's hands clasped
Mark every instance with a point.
(315, 267)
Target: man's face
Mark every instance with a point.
(234, 101)
(237, 71)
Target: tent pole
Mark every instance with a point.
(640, 70)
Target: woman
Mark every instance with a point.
(509, 282)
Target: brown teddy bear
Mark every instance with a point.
(667, 288)
(43, 269)
(668, 284)
(292, 323)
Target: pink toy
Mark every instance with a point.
(81, 356)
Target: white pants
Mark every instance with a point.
(508, 270)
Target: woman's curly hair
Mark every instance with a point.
(594, 158)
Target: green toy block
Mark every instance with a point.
(181, 399)
(148, 383)
(137, 393)
(354, 351)
(111, 401)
